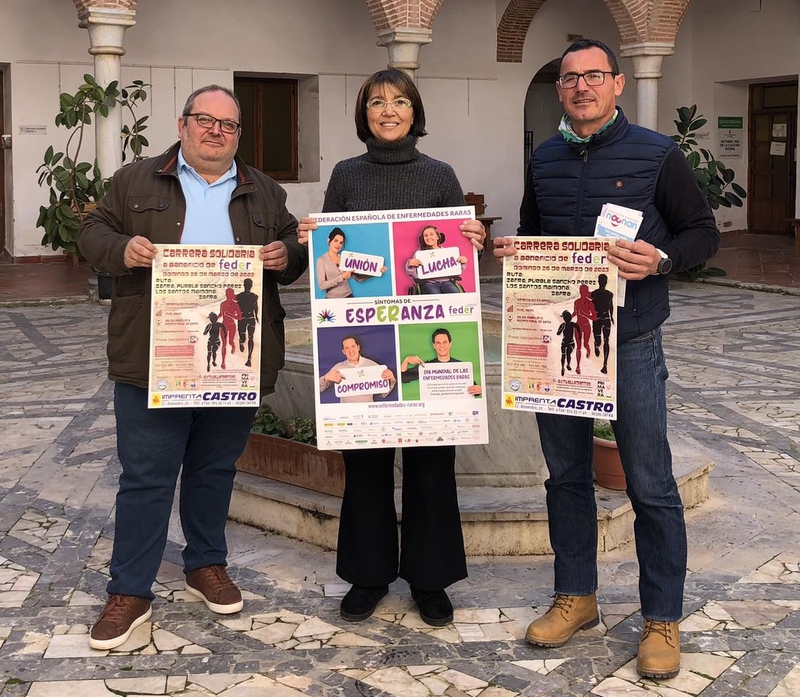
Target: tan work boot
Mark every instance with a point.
(659, 650)
(566, 615)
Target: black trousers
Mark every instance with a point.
(431, 543)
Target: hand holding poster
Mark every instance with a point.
(368, 380)
(443, 380)
(559, 329)
(205, 345)
(366, 264)
(438, 263)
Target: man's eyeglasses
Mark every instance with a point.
(399, 104)
(207, 122)
(593, 78)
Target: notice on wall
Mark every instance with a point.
(777, 149)
(730, 130)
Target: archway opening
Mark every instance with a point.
(542, 109)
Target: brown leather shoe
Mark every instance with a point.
(659, 650)
(121, 615)
(214, 587)
(566, 615)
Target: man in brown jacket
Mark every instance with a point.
(198, 192)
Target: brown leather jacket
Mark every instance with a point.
(146, 199)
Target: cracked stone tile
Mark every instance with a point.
(290, 630)
(4, 632)
(80, 599)
(100, 557)
(260, 686)
(16, 583)
(698, 671)
(784, 568)
(217, 683)
(422, 681)
(789, 686)
(167, 641)
(42, 531)
(542, 666)
(70, 688)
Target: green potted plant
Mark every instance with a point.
(608, 470)
(75, 186)
(715, 180)
(287, 452)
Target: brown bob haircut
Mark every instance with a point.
(401, 83)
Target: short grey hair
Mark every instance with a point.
(188, 108)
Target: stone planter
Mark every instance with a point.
(608, 471)
(293, 463)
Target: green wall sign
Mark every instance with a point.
(730, 121)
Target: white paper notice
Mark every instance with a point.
(364, 264)
(778, 149)
(359, 381)
(438, 263)
(445, 380)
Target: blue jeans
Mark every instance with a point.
(435, 287)
(641, 432)
(152, 445)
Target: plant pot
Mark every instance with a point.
(608, 471)
(294, 463)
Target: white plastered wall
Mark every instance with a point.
(475, 106)
(732, 44)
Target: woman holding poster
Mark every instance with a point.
(393, 174)
(330, 278)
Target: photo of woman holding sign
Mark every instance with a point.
(330, 277)
(432, 238)
(393, 174)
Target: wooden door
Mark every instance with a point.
(773, 157)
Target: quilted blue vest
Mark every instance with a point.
(620, 165)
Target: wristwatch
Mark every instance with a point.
(665, 265)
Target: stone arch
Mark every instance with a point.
(395, 14)
(637, 21)
(647, 20)
(513, 29)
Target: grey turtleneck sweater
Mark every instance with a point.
(390, 176)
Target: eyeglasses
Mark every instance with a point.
(593, 78)
(399, 104)
(225, 125)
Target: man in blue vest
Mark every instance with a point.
(599, 157)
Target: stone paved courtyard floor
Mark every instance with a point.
(733, 355)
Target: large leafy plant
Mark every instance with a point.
(76, 185)
(715, 180)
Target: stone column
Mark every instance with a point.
(403, 46)
(647, 59)
(106, 32)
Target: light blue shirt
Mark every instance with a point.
(207, 218)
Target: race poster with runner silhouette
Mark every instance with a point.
(205, 334)
(559, 327)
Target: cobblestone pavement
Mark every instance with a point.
(733, 356)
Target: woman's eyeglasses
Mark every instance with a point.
(399, 104)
